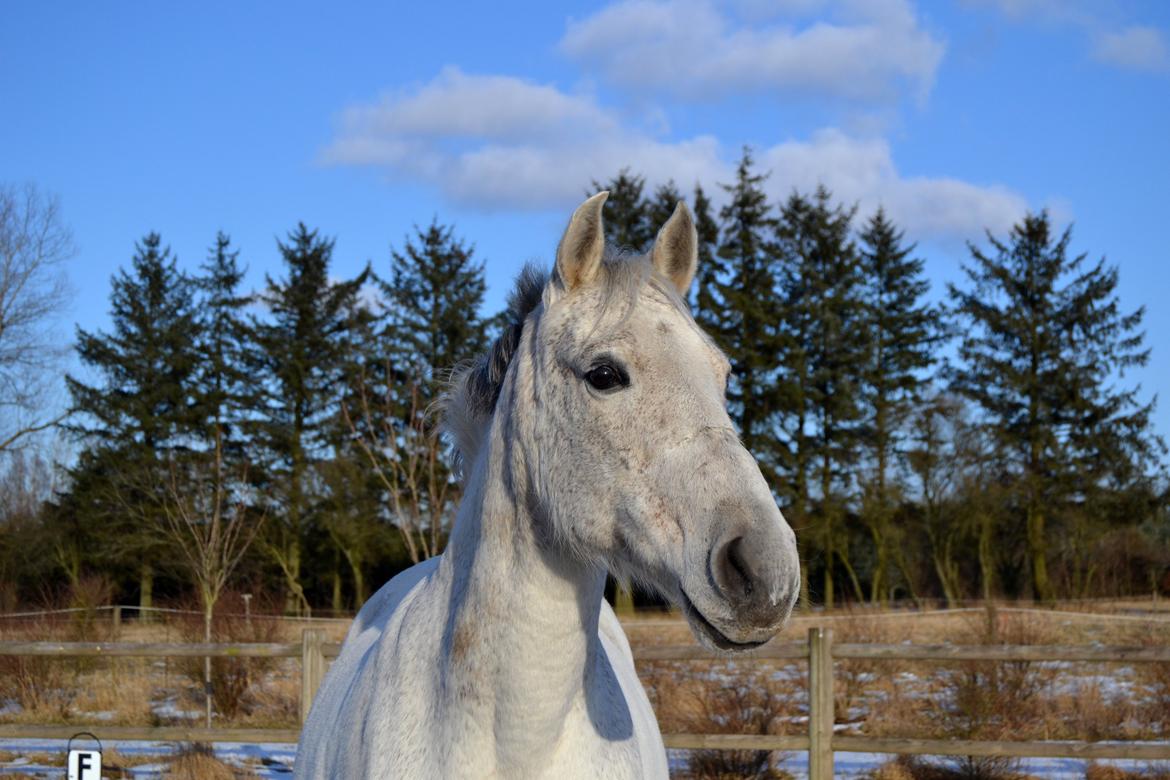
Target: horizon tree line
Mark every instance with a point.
(984, 445)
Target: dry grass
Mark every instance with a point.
(915, 768)
(232, 679)
(1105, 772)
(974, 700)
(729, 700)
(256, 693)
(982, 700)
(198, 762)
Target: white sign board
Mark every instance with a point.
(85, 765)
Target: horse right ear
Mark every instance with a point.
(579, 253)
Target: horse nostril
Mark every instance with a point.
(733, 571)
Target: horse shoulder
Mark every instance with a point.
(332, 737)
(646, 733)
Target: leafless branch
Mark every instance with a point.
(34, 245)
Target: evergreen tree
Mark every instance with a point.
(744, 323)
(661, 206)
(433, 325)
(1044, 339)
(225, 391)
(141, 412)
(433, 300)
(627, 216)
(710, 268)
(821, 346)
(300, 358)
(901, 331)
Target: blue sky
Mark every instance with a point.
(364, 119)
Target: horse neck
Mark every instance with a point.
(521, 633)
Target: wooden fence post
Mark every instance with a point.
(312, 668)
(117, 619)
(820, 704)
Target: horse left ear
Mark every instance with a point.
(581, 248)
(676, 249)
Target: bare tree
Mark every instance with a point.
(34, 245)
(406, 454)
(210, 523)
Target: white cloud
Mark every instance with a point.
(1047, 10)
(863, 171)
(457, 134)
(497, 107)
(500, 142)
(1136, 47)
(689, 48)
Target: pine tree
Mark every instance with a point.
(141, 412)
(821, 346)
(1044, 339)
(710, 268)
(901, 331)
(225, 391)
(627, 216)
(433, 300)
(299, 357)
(432, 305)
(744, 323)
(661, 206)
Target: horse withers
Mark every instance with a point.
(593, 437)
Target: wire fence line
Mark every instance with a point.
(134, 608)
(1160, 613)
(1153, 617)
(819, 650)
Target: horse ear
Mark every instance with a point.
(676, 249)
(579, 253)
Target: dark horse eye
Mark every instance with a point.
(604, 377)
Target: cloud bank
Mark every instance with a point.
(691, 49)
(495, 142)
(1135, 48)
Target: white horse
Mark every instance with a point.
(594, 437)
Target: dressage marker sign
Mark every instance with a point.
(84, 764)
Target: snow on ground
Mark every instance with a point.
(847, 765)
(267, 760)
(274, 760)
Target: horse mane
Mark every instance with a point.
(467, 405)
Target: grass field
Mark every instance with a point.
(972, 700)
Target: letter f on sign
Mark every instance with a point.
(85, 765)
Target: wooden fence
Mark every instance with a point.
(819, 651)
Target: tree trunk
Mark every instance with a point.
(858, 591)
(827, 522)
(829, 556)
(295, 597)
(145, 592)
(337, 603)
(943, 569)
(359, 580)
(911, 577)
(1037, 548)
(207, 609)
(986, 556)
(877, 594)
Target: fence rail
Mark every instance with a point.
(819, 651)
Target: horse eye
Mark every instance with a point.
(604, 377)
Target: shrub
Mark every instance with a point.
(231, 678)
(728, 700)
(197, 761)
